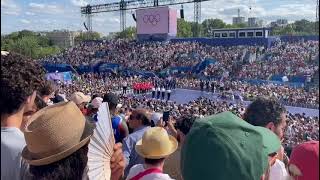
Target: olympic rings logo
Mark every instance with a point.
(151, 19)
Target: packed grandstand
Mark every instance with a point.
(231, 73)
(190, 80)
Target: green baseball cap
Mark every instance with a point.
(224, 146)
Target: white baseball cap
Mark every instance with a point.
(155, 117)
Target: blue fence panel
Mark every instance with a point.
(277, 77)
(297, 79)
(84, 69)
(299, 38)
(57, 67)
(228, 41)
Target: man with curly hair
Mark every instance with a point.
(269, 113)
(20, 79)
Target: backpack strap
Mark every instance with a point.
(146, 172)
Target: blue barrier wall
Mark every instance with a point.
(267, 42)
(57, 67)
(299, 38)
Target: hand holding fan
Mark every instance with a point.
(101, 146)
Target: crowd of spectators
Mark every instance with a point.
(99, 84)
(289, 59)
(284, 58)
(200, 107)
(54, 141)
(293, 96)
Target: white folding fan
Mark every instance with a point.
(101, 146)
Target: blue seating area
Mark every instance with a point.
(267, 42)
(202, 65)
(294, 81)
(182, 71)
(277, 77)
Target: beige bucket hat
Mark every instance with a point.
(79, 98)
(54, 133)
(156, 144)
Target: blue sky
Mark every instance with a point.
(42, 15)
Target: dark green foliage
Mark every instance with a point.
(28, 43)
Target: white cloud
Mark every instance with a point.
(30, 13)
(36, 5)
(79, 2)
(46, 8)
(99, 19)
(9, 7)
(52, 15)
(25, 21)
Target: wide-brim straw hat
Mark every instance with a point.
(79, 98)
(55, 132)
(156, 144)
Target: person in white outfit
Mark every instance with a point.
(158, 92)
(153, 92)
(155, 146)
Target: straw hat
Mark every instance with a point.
(54, 133)
(79, 98)
(156, 144)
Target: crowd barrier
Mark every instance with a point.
(294, 81)
(267, 42)
(299, 38)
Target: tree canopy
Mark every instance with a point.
(128, 33)
(84, 36)
(300, 27)
(28, 43)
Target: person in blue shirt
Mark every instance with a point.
(119, 125)
(139, 121)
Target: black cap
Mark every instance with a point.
(111, 99)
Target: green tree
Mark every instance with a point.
(209, 24)
(28, 43)
(46, 51)
(287, 30)
(316, 27)
(128, 33)
(300, 27)
(303, 26)
(184, 28)
(84, 36)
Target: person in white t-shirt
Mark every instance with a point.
(163, 93)
(155, 146)
(153, 92)
(21, 78)
(124, 87)
(158, 92)
(278, 171)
